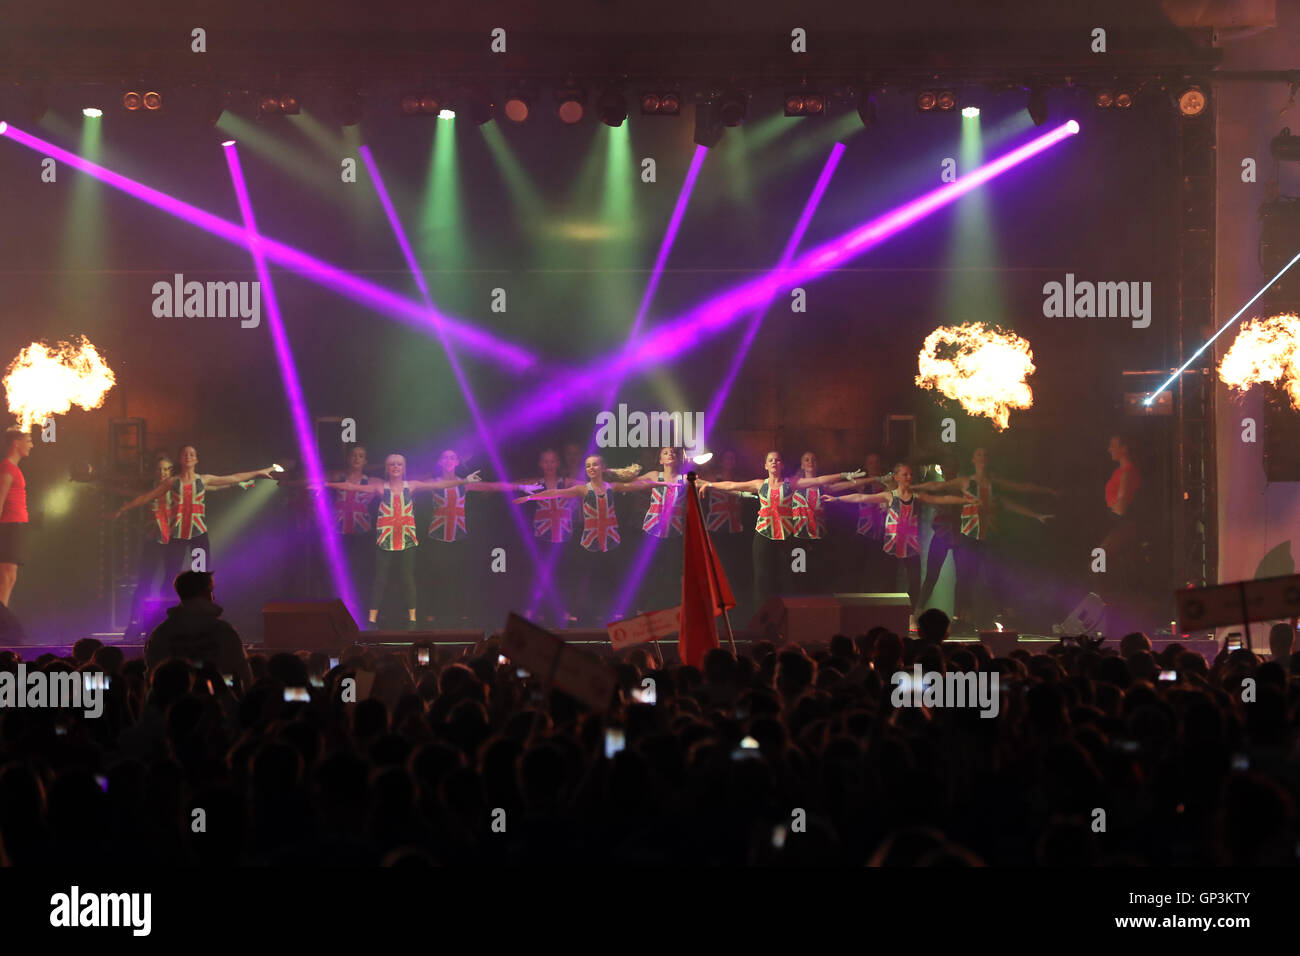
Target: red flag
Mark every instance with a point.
(705, 590)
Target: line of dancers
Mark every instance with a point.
(580, 540)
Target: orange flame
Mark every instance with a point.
(981, 367)
(1265, 351)
(44, 381)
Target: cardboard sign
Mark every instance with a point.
(644, 628)
(1264, 599)
(573, 671)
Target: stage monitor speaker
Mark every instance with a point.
(307, 625)
(11, 631)
(859, 613)
(804, 619)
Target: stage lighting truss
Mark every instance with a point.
(936, 101)
(278, 104)
(142, 99)
(421, 104)
(805, 103)
(661, 103)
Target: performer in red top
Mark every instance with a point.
(395, 529)
(13, 509)
(775, 531)
(1121, 541)
(188, 507)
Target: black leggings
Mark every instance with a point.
(180, 552)
(941, 543)
(771, 569)
(912, 568)
(978, 594)
(402, 563)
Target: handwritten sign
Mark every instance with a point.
(1264, 599)
(644, 627)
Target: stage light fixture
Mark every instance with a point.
(1105, 99)
(569, 105)
(346, 108)
(732, 107)
(867, 109)
(476, 104)
(946, 101)
(446, 114)
(970, 112)
(708, 127)
(92, 112)
(211, 104)
(1192, 101)
(661, 103)
(517, 106)
(1123, 100)
(926, 100)
(289, 104)
(1037, 107)
(420, 104)
(132, 100)
(804, 103)
(268, 103)
(612, 107)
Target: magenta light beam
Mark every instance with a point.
(293, 390)
(399, 232)
(366, 293)
(691, 328)
(651, 544)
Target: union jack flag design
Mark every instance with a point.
(448, 522)
(871, 517)
(554, 519)
(599, 523)
(188, 509)
(667, 514)
(160, 513)
(396, 525)
(352, 511)
(972, 511)
(724, 512)
(902, 528)
(775, 518)
(809, 513)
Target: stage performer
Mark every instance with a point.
(980, 582)
(1121, 541)
(395, 533)
(600, 534)
(188, 508)
(664, 523)
(775, 530)
(902, 540)
(811, 529)
(866, 565)
(13, 509)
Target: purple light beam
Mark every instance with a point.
(359, 290)
(293, 390)
(484, 434)
(692, 328)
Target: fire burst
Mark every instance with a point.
(44, 381)
(1265, 351)
(982, 367)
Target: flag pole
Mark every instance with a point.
(713, 568)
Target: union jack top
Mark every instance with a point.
(870, 518)
(448, 522)
(776, 518)
(188, 509)
(902, 528)
(724, 512)
(352, 510)
(396, 525)
(667, 514)
(977, 512)
(160, 519)
(809, 513)
(599, 523)
(553, 518)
